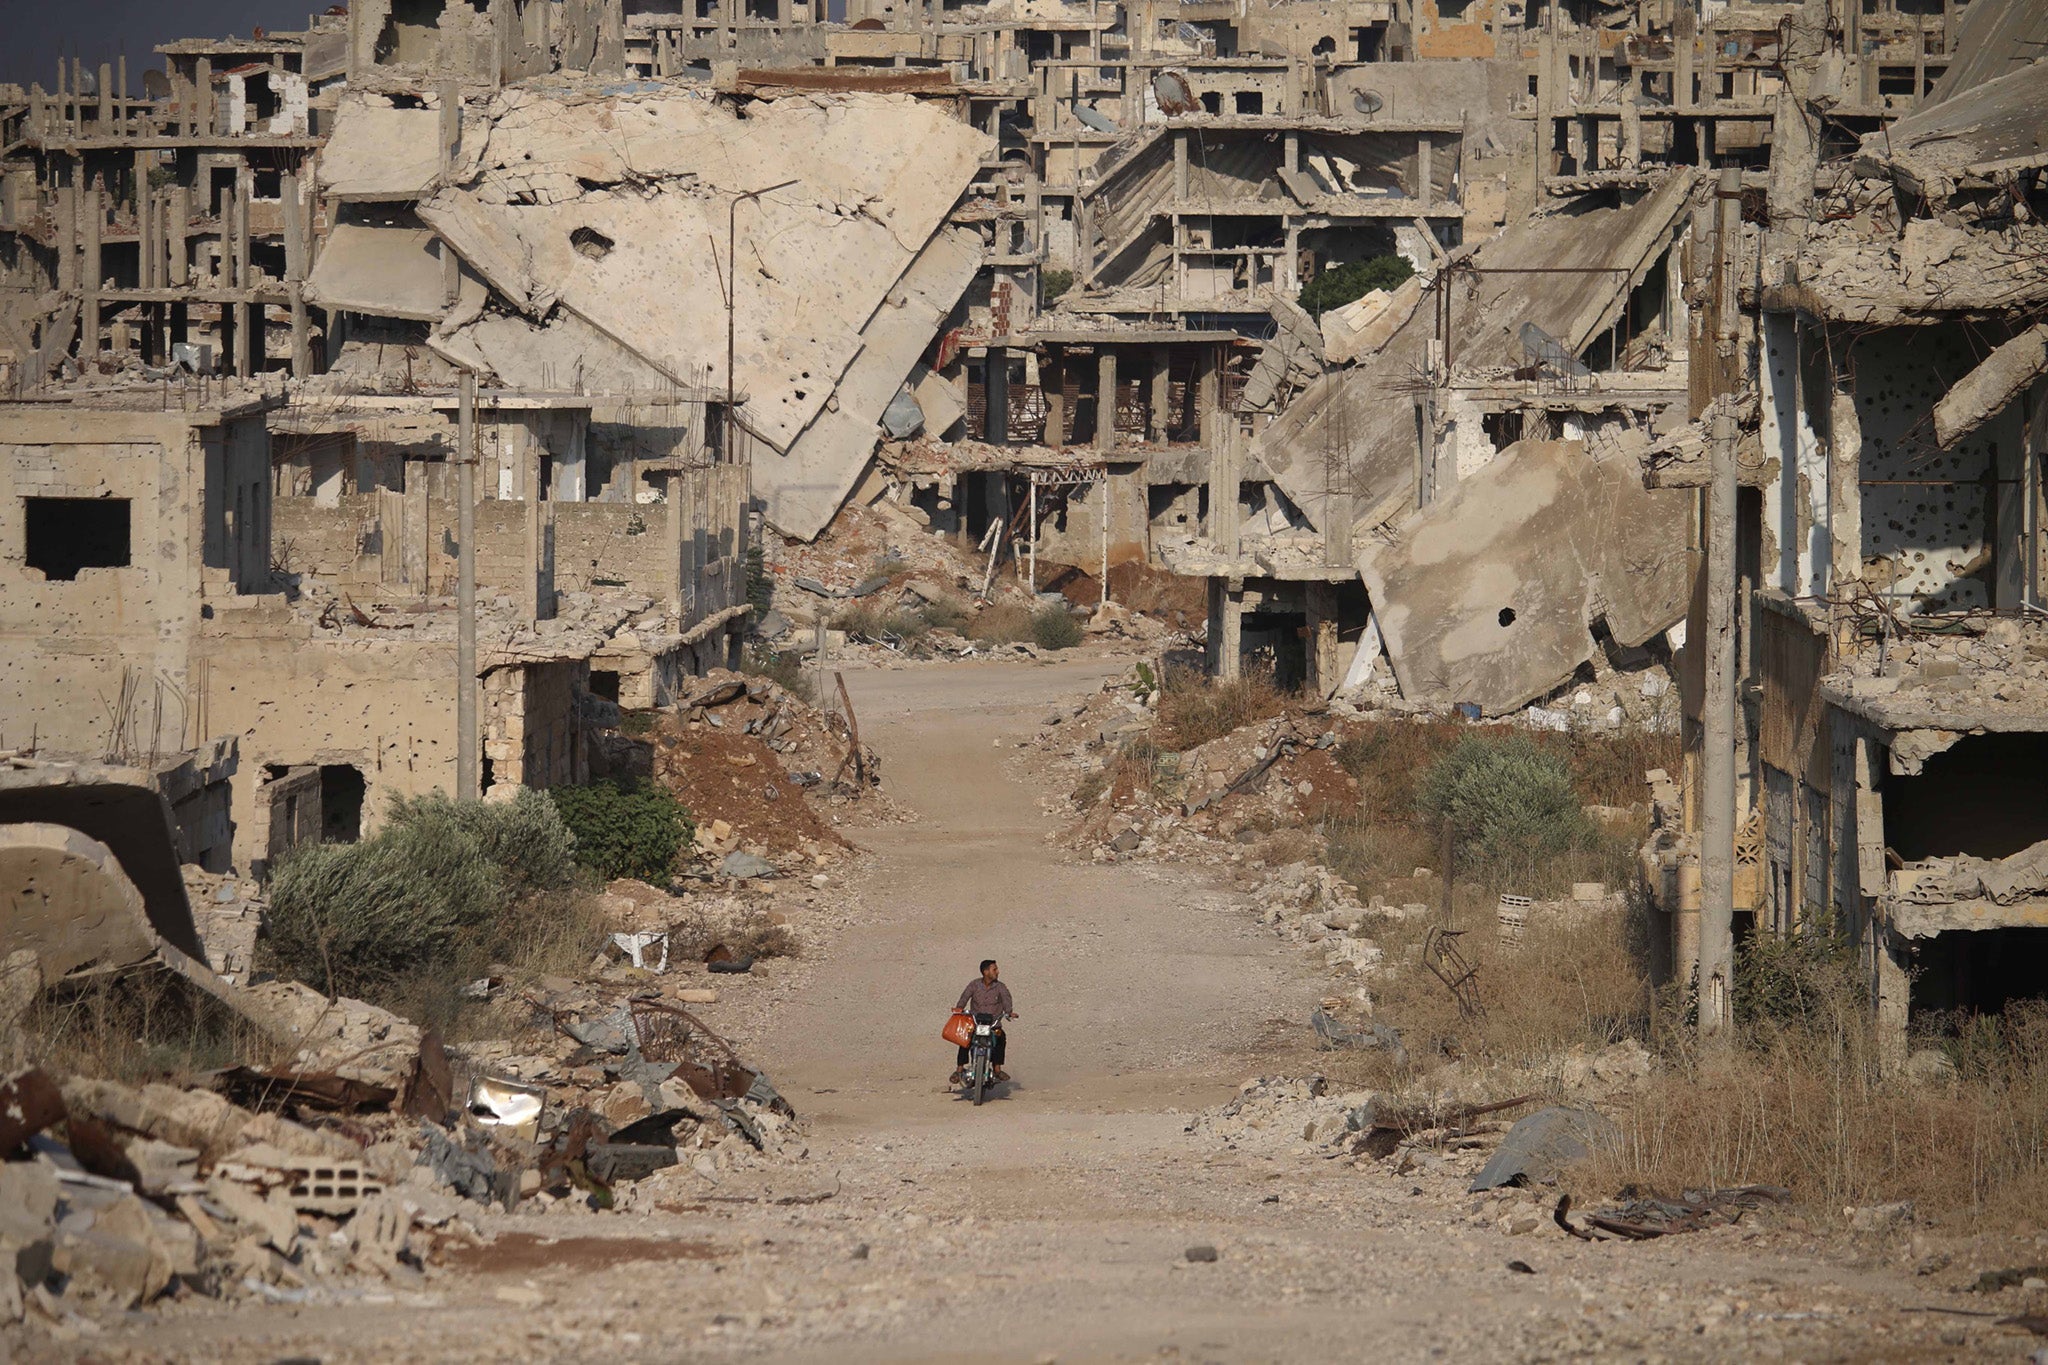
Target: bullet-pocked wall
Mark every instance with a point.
(115, 529)
(1931, 517)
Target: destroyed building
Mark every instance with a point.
(1047, 277)
(1881, 406)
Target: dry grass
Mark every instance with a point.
(876, 621)
(1574, 982)
(1001, 623)
(748, 933)
(139, 1026)
(1805, 1106)
(1194, 709)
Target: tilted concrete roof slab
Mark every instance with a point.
(2001, 125)
(388, 271)
(1488, 595)
(618, 209)
(803, 488)
(378, 152)
(1355, 430)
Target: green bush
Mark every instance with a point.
(1054, 627)
(626, 829)
(1352, 281)
(947, 613)
(1797, 981)
(358, 919)
(1509, 806)
(1051, 284)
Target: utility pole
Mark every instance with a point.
(1717, 758)
(732, 222)
(467, 786)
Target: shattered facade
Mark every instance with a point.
(1060, 282)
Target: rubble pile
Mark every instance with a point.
(748, 757)
(877, 561)
(363, 1158)
(163, 1191)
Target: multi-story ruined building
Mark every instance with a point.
(1061, 280)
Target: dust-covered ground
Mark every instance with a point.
(1056, 1222)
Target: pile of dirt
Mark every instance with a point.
(736, 780)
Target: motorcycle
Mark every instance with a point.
(981, 1066)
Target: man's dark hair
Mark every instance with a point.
(987, 963)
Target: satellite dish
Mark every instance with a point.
(1173, 92)
(1366, 102)
(155, 85)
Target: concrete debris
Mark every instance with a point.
(1489, 595)
(1364, 326)
(1973, 136)
(1538, 1148)
(1989, 389)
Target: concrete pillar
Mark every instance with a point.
(106, 125)
(1162, 392)
(177, 228)
(1718, 815)
(1324, 672)
(1180, 165)
(145, 224)
(1105, 401)
(1845, 469)
(1631, 132)
(1425, 190)
(1224, 478)
(1539, 161)
(245, 190)
(1683, 34)
(202, 98)
(1052, 382)
(1206, 389)
(1894, 985)
(1226, 628)
(89, 283)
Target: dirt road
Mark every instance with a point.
(1054, 1222)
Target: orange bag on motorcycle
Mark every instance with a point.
(959, 1030)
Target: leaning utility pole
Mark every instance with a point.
(466, 766)
(1718, 718)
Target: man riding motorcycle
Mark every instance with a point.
(988, 1000)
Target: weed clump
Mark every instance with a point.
(626, 829)
(1194, 709)
(783, 667)
(1001, 623)
(1507, 806)
(1054, 627)
(360, 919)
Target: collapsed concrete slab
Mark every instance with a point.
(600, 222)
(1359, 433)
(389, 271)
(380, 152)
(1984, 392)
(801, 489)
(1489, 594)
(1995, 128)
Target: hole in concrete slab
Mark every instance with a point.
(592, 243)
(1507, 616)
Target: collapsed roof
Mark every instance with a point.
(1355, 430)
(600, 223)
(1489, 595)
